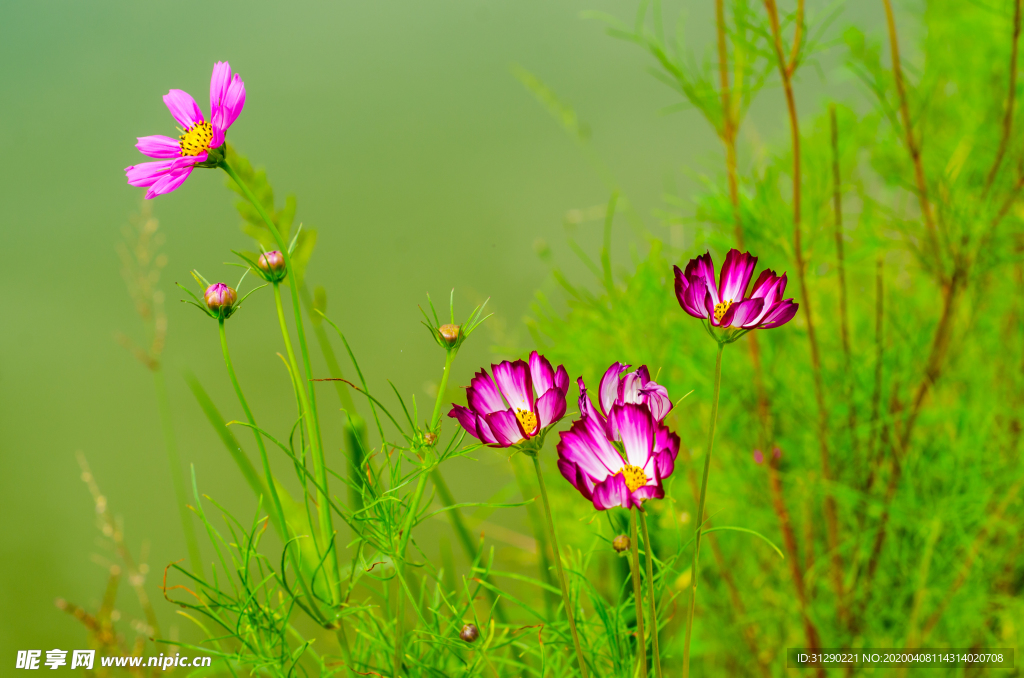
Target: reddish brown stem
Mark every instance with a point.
(750, 630)
(1011, 95)
(831, 520)
(792, 556)
(844, 321)
(912, 145)
(730, 126)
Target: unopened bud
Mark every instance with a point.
(758, 457)
(469, 633)
(450, 334)
(220, 298)
(621, 543)
(271, 262)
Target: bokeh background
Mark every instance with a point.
(423, 163)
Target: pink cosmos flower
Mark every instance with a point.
(200, 139)
(634, 387)
(726, 304)
(590, 458)
(526, 400)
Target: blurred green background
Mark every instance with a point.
(423, 163)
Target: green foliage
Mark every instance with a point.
(283, 218)
(874, 442)
(921, 422)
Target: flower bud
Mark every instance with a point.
(271, 262)
(449, 333)
(621, 543)
(469, 633)
(758, 457)
(220, 298)
(430, 438)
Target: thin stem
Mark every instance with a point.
(700, 509)
(730, 127)
(912, 146)
(436, 416)
(650, 593)
(323, 506)
(170, 444)
(558, 567)
(750, 630)
(406, 533)
(312, 419)
(465, 538)
(638, 597)
(792, 555)
(278, 511)
(1011, 95)
(844, 320)
(831, 519)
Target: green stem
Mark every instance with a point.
(558, 566)
(436, 417)
(700, 510)
(638, 596)
(278, 513)
(164, 406)
(278, 510)
(650, 593)
(323, 507)
(312, 419)
(410, 518)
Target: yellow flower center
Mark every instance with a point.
(527, 419)
(635, 477)
(720, 310)
(196, 139)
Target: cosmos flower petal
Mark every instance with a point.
(781, 314)
(608, 392)
(693, 296)
(746, 313)
(467, 418)
(705, 268)
(169, 181)
(587, 446)
(666, 441)
(645, 492)
(515, 384)
(763, 283)
(159, 146)
(219, 81)
(562, 379)
(147, 173)
(630, 387)
(577, 477)
(735, 276)
(611, 492)
(485, 397)
(541, 372)
(685, 289)
(183, 107)
(709, 307)
(505, 427)
(486, 434)
(664, 463)
(550, 407)
(636, 426)
(231, 100)
(656, 398)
